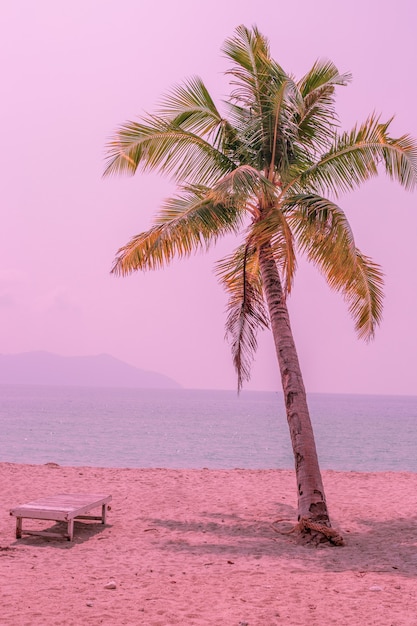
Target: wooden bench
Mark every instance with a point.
(63, 507)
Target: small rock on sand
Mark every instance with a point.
(110, 585)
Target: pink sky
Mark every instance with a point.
(72, 72)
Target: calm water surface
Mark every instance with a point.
(195, 429)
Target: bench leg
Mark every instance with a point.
(103, 513)
(19, 527)
(70, 529)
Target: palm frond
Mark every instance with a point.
(324, 234)
(258, 85)
(249, 50)
(399, 157)
(187, 222)
(365, 296)
(314, 218)
(190, 107)
(355, 156)
(241, 185)
(323, 74)
(274, 230)
(318, 119)
(283, 131)
(158, 145)
(248, 139)
(239, 274)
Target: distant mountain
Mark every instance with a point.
(102, 370)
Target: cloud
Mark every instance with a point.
(58, 300)
(17, 290)
(11, 283)
(6, 300)
(12, 276)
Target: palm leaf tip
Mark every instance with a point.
(400, 158)
(365, 296)
(127, 261)
(324, 234)
(361, 282)
(119, 158)
(240, 276)
(118, 268)
(243, 323)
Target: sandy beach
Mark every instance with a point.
(201, 547)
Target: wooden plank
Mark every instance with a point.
(46, 533)
(60, 507)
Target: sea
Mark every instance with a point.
(184, 429)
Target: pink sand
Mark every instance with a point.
(200, 547)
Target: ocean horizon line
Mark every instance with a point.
(208, 390)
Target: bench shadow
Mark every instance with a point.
(83, 531)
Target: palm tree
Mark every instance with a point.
(269, 171)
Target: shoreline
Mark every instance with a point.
(200, 547)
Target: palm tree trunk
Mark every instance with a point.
(312, 508)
